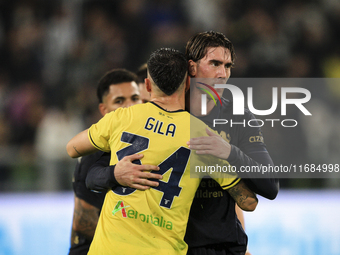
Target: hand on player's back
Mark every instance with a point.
(136, 176)
(213, 145)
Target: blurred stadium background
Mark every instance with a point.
(52, 54)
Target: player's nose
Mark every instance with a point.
(222, 72)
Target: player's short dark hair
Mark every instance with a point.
(142, 73)
(115, 76)
(198, 45)
(167, 68)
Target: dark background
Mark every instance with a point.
(52, 53)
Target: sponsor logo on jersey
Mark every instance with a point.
(120, 207)
(146, 218)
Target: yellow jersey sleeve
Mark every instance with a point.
(227, 183)
(99, 133)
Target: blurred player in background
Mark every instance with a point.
(161, 229)
(117, 88)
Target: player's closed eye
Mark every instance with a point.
(135, 98)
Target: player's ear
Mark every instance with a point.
(192, 68)
(102, 109)
(148, 84)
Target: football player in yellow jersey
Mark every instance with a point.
(152, 221)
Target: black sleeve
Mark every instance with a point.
(250, 150)
(267, 185)
(100, 176)
(79, 177)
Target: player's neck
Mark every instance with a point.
(195, 108)
(194, 103)
(170, 103)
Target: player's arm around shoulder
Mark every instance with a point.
(80, 145)
(243, 196)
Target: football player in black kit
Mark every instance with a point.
(213, 227)
(117, 88)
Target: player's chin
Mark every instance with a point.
(219, 91)
(220, 80)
